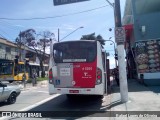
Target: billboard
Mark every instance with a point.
(148, 56)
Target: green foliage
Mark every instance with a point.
(41, 79)
(39, 42)
(92, 36)
(38, 79)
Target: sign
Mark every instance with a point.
(62, 2)
(148, 56)
(65, 72)
(120, 34)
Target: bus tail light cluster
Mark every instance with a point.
(99, 76)
(51, 77)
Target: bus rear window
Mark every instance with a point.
(78, 51)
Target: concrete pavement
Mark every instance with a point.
(29, 86)
(144, 102)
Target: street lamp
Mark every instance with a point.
(71, 33)
(114, 50)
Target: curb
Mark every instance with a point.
(30, 86)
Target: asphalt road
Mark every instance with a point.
(80, 106)
(26, 99)
(38, 100)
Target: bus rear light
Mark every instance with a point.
(50, 74)
(51, 77)
(99, 76)
(98, 72)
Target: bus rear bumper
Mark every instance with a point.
(83, 91)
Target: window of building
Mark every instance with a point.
(16, 50)
(8, 49)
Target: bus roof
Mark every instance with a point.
(78, 41)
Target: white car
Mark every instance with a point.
(9, 93)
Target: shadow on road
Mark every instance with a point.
(3, 104)
(155, 89)
(133, 86)
(79, 106)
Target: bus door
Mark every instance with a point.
(64, 76)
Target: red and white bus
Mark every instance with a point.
(77, 67)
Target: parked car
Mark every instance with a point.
(9, 93)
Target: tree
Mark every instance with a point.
(19, 44)
(22, 38)
(93, 37)
(42, 43)
(39, 42)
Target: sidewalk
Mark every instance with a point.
(29, 86)
(141, 100)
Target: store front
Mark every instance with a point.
(148, 59)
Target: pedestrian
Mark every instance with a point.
(34, 78)
(116, 75)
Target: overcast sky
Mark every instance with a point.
(94, 15)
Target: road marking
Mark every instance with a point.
(43, 92)
(32, 106)
(39, 103)
(30, 89)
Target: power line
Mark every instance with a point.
(2, 36)
(111, 4)
(54, 16)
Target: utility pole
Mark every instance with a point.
(24, 60)
(20, 42)
(121, 57)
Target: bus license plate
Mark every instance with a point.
(73, 91)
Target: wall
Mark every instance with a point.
(149, 18)
(146, 15)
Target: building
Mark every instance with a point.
(8, 50)
(141, 22)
